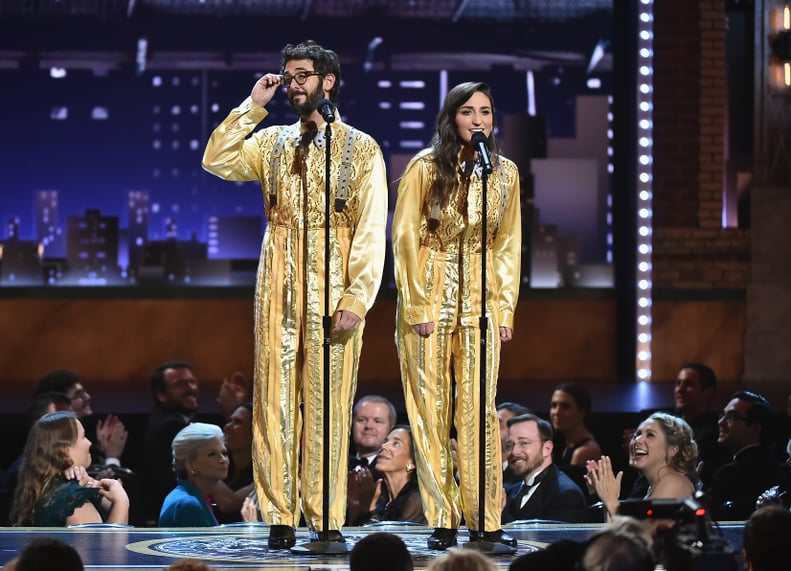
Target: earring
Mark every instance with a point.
(410, 467)
(194, 472)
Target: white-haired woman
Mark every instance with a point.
(200, 460)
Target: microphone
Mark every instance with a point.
(327, 110)
(479, 142)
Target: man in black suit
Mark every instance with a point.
(174, 388)
(544, 491)
(747, 429)
(693, 393)
(373, 417)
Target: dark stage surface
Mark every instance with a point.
(244, 546)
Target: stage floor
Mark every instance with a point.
(244, 546)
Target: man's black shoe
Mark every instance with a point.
(498, 536)
(442, 538)
(282, 537)
(331, 535)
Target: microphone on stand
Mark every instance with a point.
(479, 142)
(327, 110)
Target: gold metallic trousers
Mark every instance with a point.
(288, 408)
(428, 366)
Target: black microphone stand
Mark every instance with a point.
(324, 545)
(483, 452)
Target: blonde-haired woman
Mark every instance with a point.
(53, 488)
(663, 450)
(200, 460)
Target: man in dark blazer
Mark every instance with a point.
(175, 390)
(747, 429)
(544, 491)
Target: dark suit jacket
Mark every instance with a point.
(735, 486)
(157, 474)
(369, 463)
(557, 497)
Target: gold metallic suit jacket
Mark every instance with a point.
(232, 155)
(459, 231)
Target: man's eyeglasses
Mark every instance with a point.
(732, 416)
(79, 394)
(300, 77)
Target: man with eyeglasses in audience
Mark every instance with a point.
(747, 430)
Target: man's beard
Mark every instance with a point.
(531, 465)
(312, 99)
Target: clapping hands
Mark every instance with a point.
(111, 436)
(601, 479)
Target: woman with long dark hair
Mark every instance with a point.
(397, 495)
(44, 497)
(438, 246)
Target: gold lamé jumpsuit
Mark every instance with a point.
(438, 276)
(288, 412)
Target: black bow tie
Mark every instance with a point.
(354, 462)
(525, 488)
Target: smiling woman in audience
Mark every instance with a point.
(663, 450)
(397, 496)
(229, 494)
(200, 461)
(53, 489)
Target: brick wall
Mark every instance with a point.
(691, 250)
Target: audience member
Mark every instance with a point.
(381, 551)
(109, 436)
(41, 405)
(110, 433)
(48, 554)
(462, 560)
(47, 494)
(694, 391)
(662, 450)
(175, 392)
(506, 410)
(747, 430)
(766, 544)
(545, 492)
(624, 544)
(373, 417)
(200, 461)
(229, 494)
(397, 495)
(189, 565)
(569, 413)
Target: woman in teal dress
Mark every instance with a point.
(200, 461)
(53, 488)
